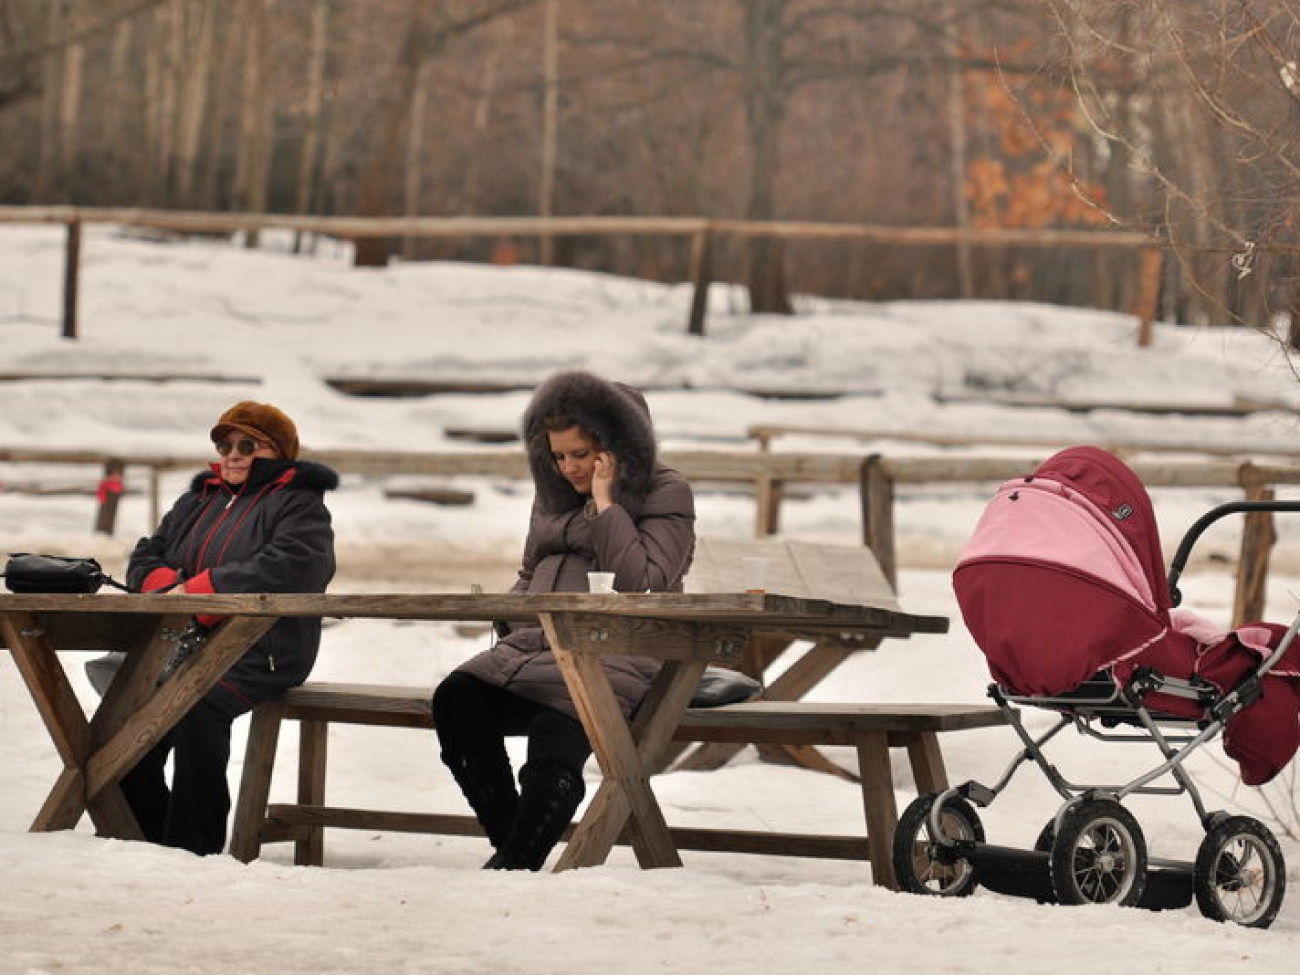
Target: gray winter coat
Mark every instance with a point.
(646, 538)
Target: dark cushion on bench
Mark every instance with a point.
(719, 686)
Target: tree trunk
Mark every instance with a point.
(414, 145)
(550, 113)
(113, 120)
(50, 152)
(312, 117)
(74, 59)
(482, 117)
(195, 70)
(763, 113)
(254, 143)
(147, 169)
(957, 158)
(379, 171)
(167, 44)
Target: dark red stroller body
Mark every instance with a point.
(1063, 588)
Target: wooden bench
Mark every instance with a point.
(872, 729)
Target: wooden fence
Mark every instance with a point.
(1143, 289)
(764, 473)
(767, 474)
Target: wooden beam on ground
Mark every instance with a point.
(434, 495)
(400, 387)
(125, 377)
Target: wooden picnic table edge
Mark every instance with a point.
(771, 609)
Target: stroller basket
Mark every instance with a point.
(1063, 588)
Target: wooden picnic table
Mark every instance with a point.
(814, 570)
(686, 630)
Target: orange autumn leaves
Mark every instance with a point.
(1027, 179)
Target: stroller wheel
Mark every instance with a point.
(922, 864)
(1099, 856)
(1240, 875)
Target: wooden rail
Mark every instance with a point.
(763, 471)
(767, 473)
(701, 232)
(765, 434)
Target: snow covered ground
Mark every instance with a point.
(417, 903)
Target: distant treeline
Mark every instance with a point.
(1175, 118)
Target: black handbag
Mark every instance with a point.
(25, 572)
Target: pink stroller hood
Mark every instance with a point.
(1063, 575)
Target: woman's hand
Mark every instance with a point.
(602, 480)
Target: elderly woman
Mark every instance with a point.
(602, 502)
(255, 522)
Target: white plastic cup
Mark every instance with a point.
(600, 582)
(754, 572)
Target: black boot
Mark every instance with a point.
(489, 786)
(549, 795)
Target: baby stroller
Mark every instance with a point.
(1062, 587)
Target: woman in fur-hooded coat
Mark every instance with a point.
(603, 502)
(645, 538)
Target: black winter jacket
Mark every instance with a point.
(270, 534)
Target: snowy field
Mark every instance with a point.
(281, 325)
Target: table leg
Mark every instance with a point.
(69, 730)
(136, 679)
(624, 796)
(152, 720)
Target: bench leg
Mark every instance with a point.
(255, 784)
(879, 805)
(927, 763)
(313, 738)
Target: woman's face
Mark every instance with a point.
(236, 452)
(575, 456)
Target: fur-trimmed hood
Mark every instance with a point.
(620, 420)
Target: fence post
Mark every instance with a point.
(701, 272)
(1257, 539)
(71, 272)
(108, 493)
(767, 491)
(876, 489)
(1150, 263)
(155, 503)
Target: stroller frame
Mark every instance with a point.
(1092, 850)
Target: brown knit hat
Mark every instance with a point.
(263, 421)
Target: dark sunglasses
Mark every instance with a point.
(244, 446)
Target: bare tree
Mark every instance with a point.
(429, 28)
(1198, 101)
(313, 105)
(766, 53)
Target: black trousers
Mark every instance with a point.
(191, 814)
(473, 718)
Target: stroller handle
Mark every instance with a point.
(1205, 521)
